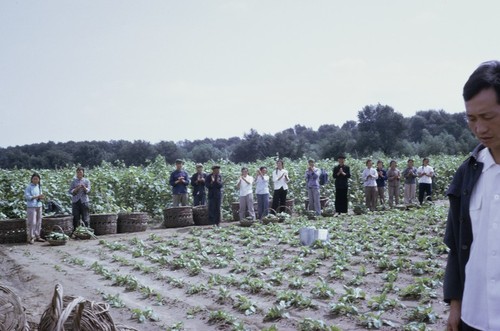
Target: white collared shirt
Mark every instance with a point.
(427, 178)
(481, 299)
(372, 181)
(277, 182)
(246, 188)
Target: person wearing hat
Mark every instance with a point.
(312, 183)
(341, 173)
(179, 180)
(214, 184)
(198, 184)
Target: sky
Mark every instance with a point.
(193, 69)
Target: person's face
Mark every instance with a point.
(264, 171)
(199, 169)
(341, 161)
(483, 116)
(410, 164)
(426, 162)
(35, 180)
(216, 171)
(79, 174)
(279, 165)
(311, 164)
(178, 166)
(369, 164)
(380, 165)
(393, 165)
(244, 172)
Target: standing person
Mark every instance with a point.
(262, 191)
(393, 179)
(369, 177)
(244, 184)
(341, 173)
(312, 183)
(79, 190)
(214, 184)
(179, 180)
(471, 285)
(198, 184)
(33, 195)
(280, 185)
(425, 174)
(410, 175)
(381, 179)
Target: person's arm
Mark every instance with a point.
(172, 180)
(455, 315)
(87, 186)
(186, 181)
(27, 194)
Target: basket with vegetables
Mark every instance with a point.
(57, 238)
(83, 232)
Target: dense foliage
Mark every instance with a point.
(118, 187)
(379, 129)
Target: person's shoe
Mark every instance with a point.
(32, 241)
(39, 239)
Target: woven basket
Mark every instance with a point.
(13, 231)
(247, 222)
(177, 217)
(200, 215)
(75, 313)
(56, 242)
(65, 222)
(235, 209)
(103, 223)
(132, 222)
(12, 316)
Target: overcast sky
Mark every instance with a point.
(175, 70)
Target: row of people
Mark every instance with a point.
(374, 182)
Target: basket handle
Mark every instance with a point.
(57, 227)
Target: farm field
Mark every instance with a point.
(380, 270)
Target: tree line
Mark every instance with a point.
(379, 129)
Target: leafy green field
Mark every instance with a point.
(116, 187)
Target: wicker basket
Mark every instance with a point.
(12, 316)
(65, 222)
(75, 313)
(13, 231)
(103, 223)
(247, 222)
(200, 215)
(177, 217)
(57, 242)
(132, 222)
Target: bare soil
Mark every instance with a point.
(32, 271)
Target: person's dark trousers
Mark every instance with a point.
(80, 210)
(199, 200)
(465, 327)
(341, 200)
(423, 190)
(279, 200)
(214, 204)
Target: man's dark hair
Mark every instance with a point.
(486, 76)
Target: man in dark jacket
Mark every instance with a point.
(341, 173)
(214, 185)
(198, 184)
(472, 277)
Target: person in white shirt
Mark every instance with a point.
(244, 184)
(369, 177)
(472, 277)
(262, 192)
(280, 185)
(425, 173)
